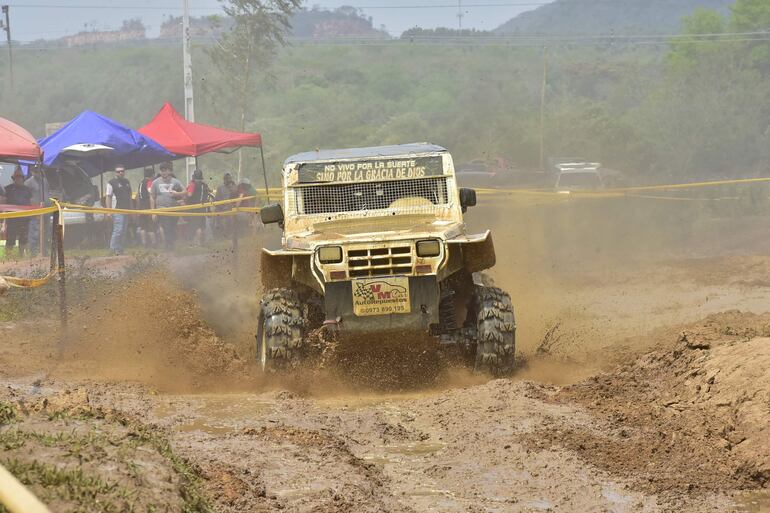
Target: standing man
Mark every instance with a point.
(197, 194)
(16, 229)
(147, 227)
(245, 190)
(118, 195)
(226, 191)
(165, 192)
(38, 186)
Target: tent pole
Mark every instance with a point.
(240, 163)
(264, 173)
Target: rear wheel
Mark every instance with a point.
(495, 331)
(280, 333)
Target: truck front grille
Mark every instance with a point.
(380, 261)
(418, 195)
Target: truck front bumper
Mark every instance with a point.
(423, 311)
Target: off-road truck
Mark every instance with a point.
(374, 243)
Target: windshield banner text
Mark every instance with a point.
(371, 170)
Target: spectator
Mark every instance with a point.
(38, 187)
(245, 189)
(118, 195)
(147, 226)
(227, 190)
(16, 229)
(164, 193)
(197, 194)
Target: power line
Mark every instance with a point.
(362, 7)
(113, 7)
(429, 41)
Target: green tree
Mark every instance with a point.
(686, 51)
(246, 52)
(751, 15)
(754, 16)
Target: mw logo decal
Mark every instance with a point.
(381, 296)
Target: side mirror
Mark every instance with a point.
(272, 213)
(467, 198)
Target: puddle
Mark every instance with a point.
(756, 502)
(415, 449)
(539, 504)
(214, 414)
(355, 402)
(394, 453)
(616, 497)
(431, 492)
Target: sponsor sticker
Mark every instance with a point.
(381, 296)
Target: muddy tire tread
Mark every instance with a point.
(284, 326)
(495, 331)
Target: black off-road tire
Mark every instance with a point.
(495, 331)
(281, 330)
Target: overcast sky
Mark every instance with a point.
(51, 19)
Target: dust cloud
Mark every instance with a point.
(586, 276)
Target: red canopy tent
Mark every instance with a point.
(183, 137)
(16, 143)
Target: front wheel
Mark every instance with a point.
(280, 337)
(495, 331)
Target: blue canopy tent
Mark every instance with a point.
(129, 148)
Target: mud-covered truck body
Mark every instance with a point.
(374, 242)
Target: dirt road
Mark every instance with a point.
(643, 387)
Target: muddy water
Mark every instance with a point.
(757, 502)
(213, 414)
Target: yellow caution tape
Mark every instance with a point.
(185, 210)
(623, 191)
(679, 198)
(202, 205)
(30, 283)
(159, 212)
(16, 497)
(27, 213)
(691, 185)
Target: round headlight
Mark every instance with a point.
(330, 254)
(428, 248)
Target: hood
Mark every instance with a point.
(375, 230)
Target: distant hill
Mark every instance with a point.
(315, 23)
(344, 21)
(604, 16)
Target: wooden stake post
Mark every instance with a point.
(57, 263)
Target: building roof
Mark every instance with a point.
(396, 150)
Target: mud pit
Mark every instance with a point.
(646, 387)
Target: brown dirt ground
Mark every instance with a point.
(642, 388)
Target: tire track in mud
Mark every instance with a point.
(451, 451)
(297, 468)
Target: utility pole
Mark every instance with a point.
(189, 111)
(542, 107)
(460, 15)
(7, 27)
